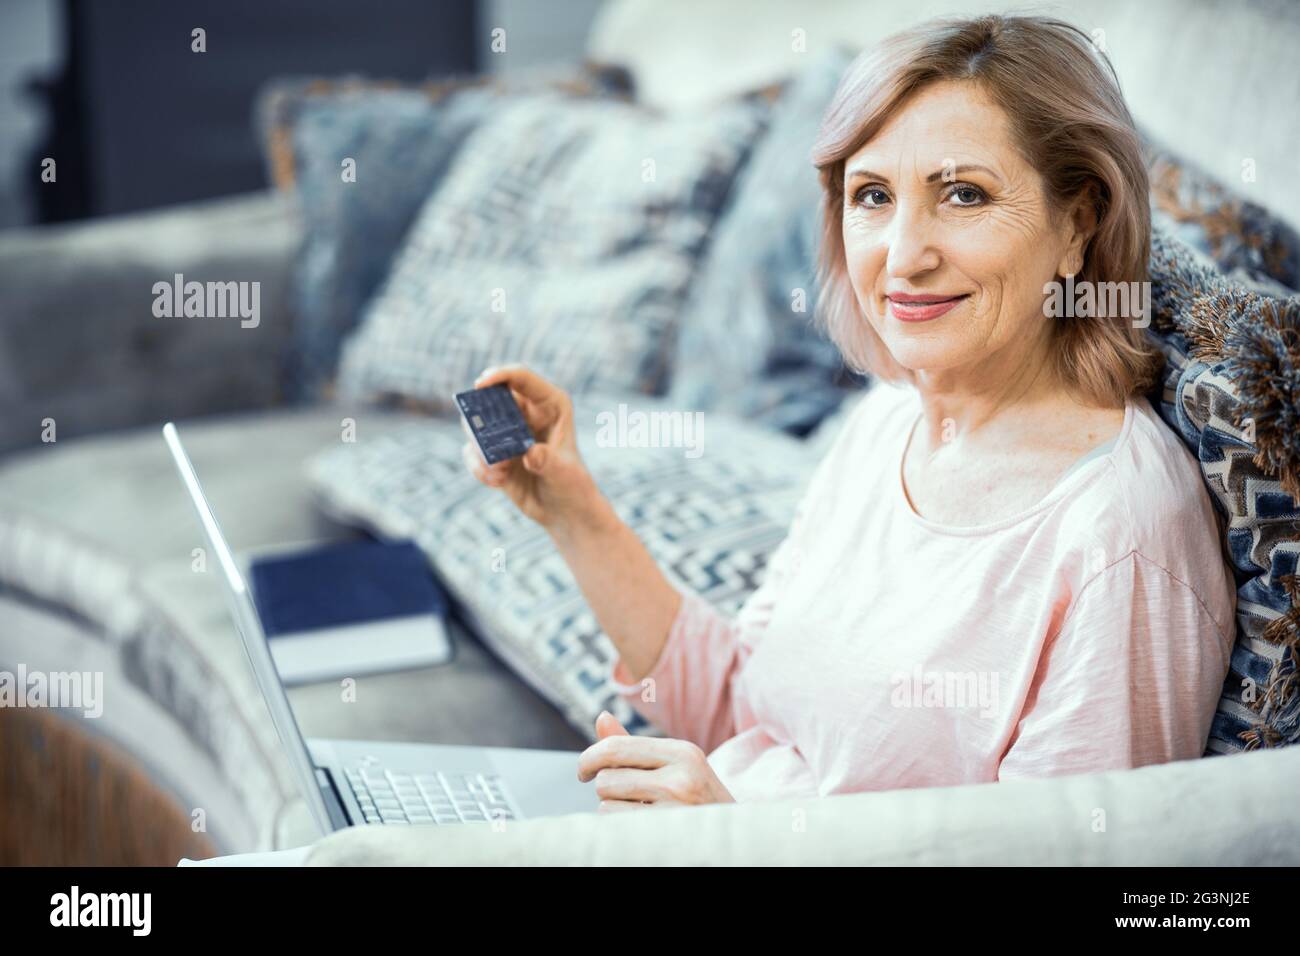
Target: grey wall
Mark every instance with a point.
(537, 33)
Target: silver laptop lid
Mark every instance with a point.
(250, 630)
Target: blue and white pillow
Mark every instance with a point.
(400, 139)
(565, 236)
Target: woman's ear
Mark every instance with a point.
(1080, 226)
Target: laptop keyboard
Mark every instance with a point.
(389, 797)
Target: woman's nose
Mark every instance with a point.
(910, 243)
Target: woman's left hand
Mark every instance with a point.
(632, 773)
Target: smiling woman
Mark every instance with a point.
(1006, 565)
(1010, 138)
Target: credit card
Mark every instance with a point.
(496, 422)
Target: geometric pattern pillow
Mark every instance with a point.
(709, 521)
(401, 140)
(565, 235)
(1231, 390)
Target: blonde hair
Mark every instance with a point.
(1070, 123)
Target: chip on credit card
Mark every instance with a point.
(496, 422)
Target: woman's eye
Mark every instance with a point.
(966, 195)
(871, 197)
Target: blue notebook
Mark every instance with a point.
(350, 609)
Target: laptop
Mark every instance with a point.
(357, 783)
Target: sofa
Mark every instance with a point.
(323, 422)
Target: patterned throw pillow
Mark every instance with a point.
(710, 521)
(400, 140)
(748, 345)
(1231, 390)
(565, 236)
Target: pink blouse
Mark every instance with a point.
(1090, 631)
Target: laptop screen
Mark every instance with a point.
(253, 637)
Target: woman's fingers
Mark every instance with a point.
(642, 786)
(645, 753)
(607, 725)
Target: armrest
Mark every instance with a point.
(1216, 811)
(79, 340)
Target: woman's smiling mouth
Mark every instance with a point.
(921, 308)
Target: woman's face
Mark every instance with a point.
(947, 233)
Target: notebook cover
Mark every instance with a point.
(343, 584)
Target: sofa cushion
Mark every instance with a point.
(709, 521)
(565, 236)
(402, 138)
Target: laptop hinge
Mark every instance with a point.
(333, 803)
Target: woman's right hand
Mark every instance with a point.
(549, 483)
(632, 600)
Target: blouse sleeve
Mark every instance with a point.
(1132, 678)
(688, 693)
